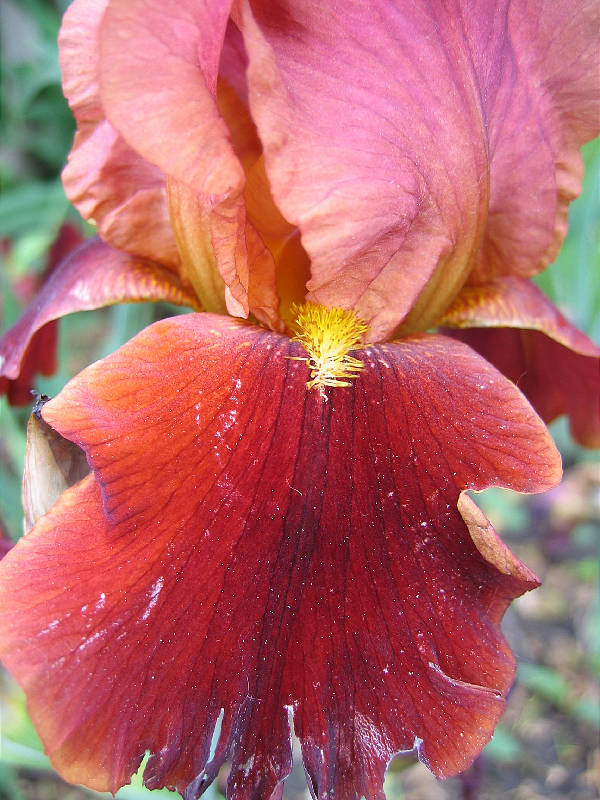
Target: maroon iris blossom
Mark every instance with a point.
(274, 530)
(40, 356)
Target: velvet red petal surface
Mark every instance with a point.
(93, 276)
(6, 543)
(247, 546)
(38, 357)
(554, 378)
(104, 178)
(555, 365)
(40, 353)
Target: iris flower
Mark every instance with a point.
(274, 534)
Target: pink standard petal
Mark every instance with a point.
(545, 107)
(107, 181)
(400, 139)
(247, 546)
(165, 108)
(374, 144)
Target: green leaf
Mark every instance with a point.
(36, 206)
(503, 746)
(588, 711)
(9, 787)
(546, 682)
(20, 755)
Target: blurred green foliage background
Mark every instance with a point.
(36, 130)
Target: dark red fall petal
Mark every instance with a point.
(555, 379)
(555, 365)
(95, 275)
(252, 548)
(40, 356)
(513, 302)
(6, 543)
